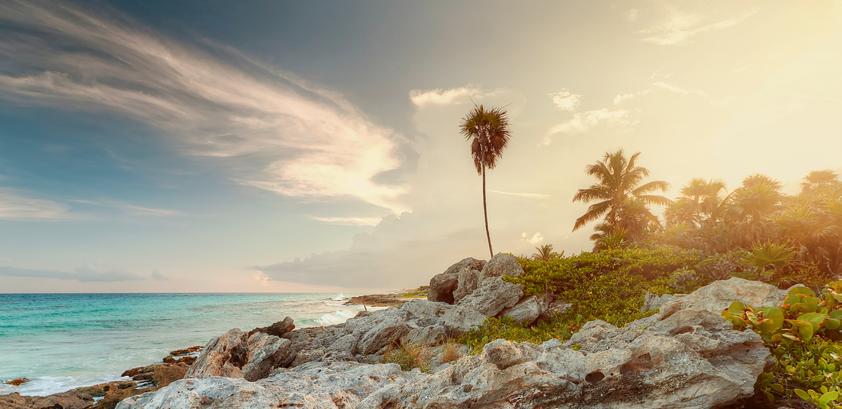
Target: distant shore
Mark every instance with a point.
(389, 300)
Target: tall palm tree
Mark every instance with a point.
(545, 252)
(488, 132)
(622, 197)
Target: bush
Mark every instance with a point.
(803, 336)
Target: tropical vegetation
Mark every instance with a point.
(646, 244)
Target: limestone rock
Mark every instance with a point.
(501, 264)
(278, 329)
(443, 285)
(222, 356)
(310, 386)
(492, 296)
(527, 310)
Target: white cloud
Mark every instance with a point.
(535, 239)
(16, 205)
(584, 121)
(566, 100)
(85, 274)
(679, 27)
(659, 86)
(348, 221)
(441, 96)
(300, 140)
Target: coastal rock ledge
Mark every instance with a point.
(685, 356)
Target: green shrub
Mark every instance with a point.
(803, 336)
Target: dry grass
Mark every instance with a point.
(450, 352)
(408, 357)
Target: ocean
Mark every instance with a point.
(63, 341)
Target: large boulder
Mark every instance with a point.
(314, 385)
(502, 265)
(443, 285)
(237, 354)
(527, 310)
(492, 296)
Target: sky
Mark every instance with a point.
(213, 146)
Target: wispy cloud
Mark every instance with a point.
(679, 27)
(659, 86)
(128, 208)
(527, 195)
(18, 205)
(301, 140)
(450, 96)
(81, 274)
(566, 100)
(348, 221)
(585, 121)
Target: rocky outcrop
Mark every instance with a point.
(236, 354)
(442, 286)
(277, 329)
(685, 356)
(311, 386)
(492, 296)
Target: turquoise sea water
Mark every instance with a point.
(61, 341)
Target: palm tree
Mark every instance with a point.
(488, 131)
(545, 252)
(622, 197)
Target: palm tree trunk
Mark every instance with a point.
(485, 212)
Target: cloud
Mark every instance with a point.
(632, 15)
(585, 121)
(679, 27)
(526, 195)
(660, 86)
(440, 96)
(16, 205)
(535, 239)
(81, 274)
(348, 221)
(292, 137)
(566, 100)
(129, 208)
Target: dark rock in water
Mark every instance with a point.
(66, 400)
(186, 351)
(278, 329)
(17, 381)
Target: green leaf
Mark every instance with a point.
(814, 318)
(828, 397)
(802, 394)
(805, 329)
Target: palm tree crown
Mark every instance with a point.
(488, 131)
(621, 195)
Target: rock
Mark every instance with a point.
(691, 358)
(501, 265)
(65, 400)
(187, 351)
(222, 356)
(527, 310)
(278, 329)
(467, 281)
(718, 295)
(386, 330)
(239, 355)
(492, 296)
(686, 356)
(443, 285)
(158, 374)
(311, 386)
(556, 307)
(17, 381)
(461, 319)
(654, 302)
(265, 352)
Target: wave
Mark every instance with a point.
(48, 385)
